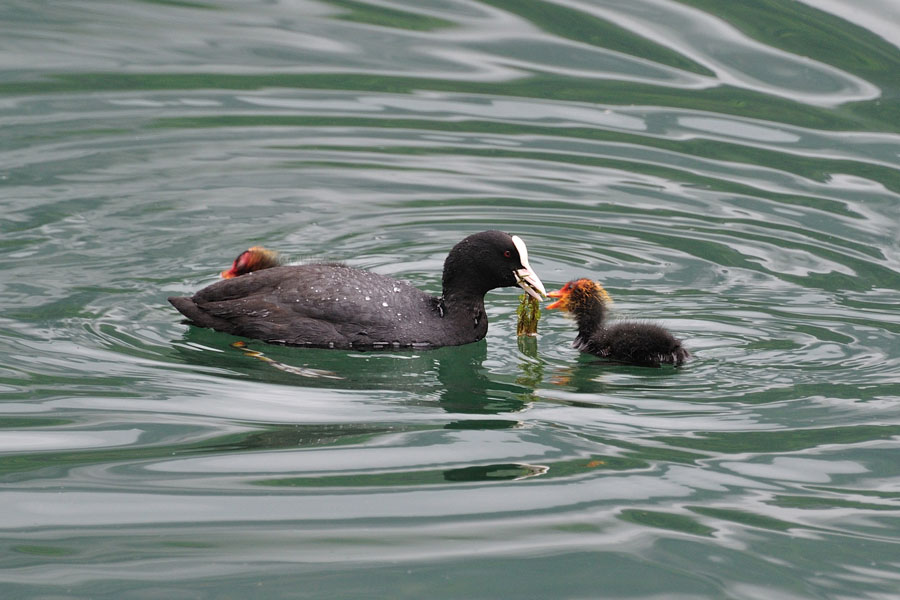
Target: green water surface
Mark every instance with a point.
(729, 170)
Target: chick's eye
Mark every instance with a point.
(507, 253)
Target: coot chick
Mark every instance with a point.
(256, 258)
(635, 343)
(336, 306)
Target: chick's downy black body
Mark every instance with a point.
(331, 305)
(631, 342)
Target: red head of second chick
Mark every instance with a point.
(629, 342)
(252, 259)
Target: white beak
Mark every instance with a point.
(526, 277)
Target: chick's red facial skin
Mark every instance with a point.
(256, 258)
(236, 266)
(561, 293)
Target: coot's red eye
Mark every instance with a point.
(507, 253)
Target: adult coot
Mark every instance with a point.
(256, 258)
(629, 342)
(330, 305)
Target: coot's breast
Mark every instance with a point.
(324, 305)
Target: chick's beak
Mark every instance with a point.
(556, 294)
(232, 272)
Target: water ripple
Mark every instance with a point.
(728, 172)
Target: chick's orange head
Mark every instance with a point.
(575, 291)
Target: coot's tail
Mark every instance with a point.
(197, 315)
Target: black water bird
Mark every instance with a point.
(330, 305)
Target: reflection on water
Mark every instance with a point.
(727, 170)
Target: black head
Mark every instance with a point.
(487, 260)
